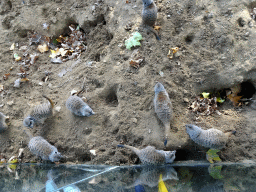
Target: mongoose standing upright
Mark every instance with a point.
(42, 148)
(163, 108)
(39, 113)
(150, 155)
(3, 125)
(77, 106)
(211, 138)
(149, 16)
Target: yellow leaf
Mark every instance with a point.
(42, 48)
(157, 27)
(161, 185)
(13, 166)
(205, 95)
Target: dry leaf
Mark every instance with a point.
(5, 77)
(43, 48)
(234, 99)
(157, 27)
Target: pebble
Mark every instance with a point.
(186, 100)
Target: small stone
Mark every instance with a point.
(10, 103)
(58, 108)
(186, 100)
(134, 120)
(93, 152)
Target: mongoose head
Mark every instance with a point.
(86, 111)
(193, 131)
(29, 122)
(146, 3)
(159, 88)
(55, 155)
(169, 156)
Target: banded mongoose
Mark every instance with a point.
(150, 155)
(163, 108)
(149, 16)
(211, 138)
(42, 148)
(39, 113)
(77, 106)
(3, 125)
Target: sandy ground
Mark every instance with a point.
(215, 40)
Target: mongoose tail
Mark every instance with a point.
(134, 149)
(51, 102)
(167, 132)
(229, 133)
(151, 29)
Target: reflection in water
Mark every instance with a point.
(76, 178)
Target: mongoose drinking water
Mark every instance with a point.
(150, 155)
(77, 106)
(163, 108)
(149, 16)
(211, 138)
(3, 125)
(39, 113)
(42, 148)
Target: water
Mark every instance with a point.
(180, 177)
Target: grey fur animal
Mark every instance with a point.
(150, 155)
(39, 113)
(3, 125)
(149, 175)
(149, 16)
(163, 108)
(77, 106)
(211, 138)
(40, 147)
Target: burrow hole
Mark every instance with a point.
(111, 98)
(189, 38)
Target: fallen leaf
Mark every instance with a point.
(157, 27)
(43, 48)
(220, 100)
(5, 77)
(161, 185)
(205, 95)
(234, 99)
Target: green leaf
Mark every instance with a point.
(133, 41)
(212, 155)
(220, 100)
(215, 172)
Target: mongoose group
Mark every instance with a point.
(212, 138)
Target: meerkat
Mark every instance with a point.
(3, 125)
(163, 108)
(149, 16)
(39, 113)
(211, 138)
(78, 107)
(42, 148)
(150, 155)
